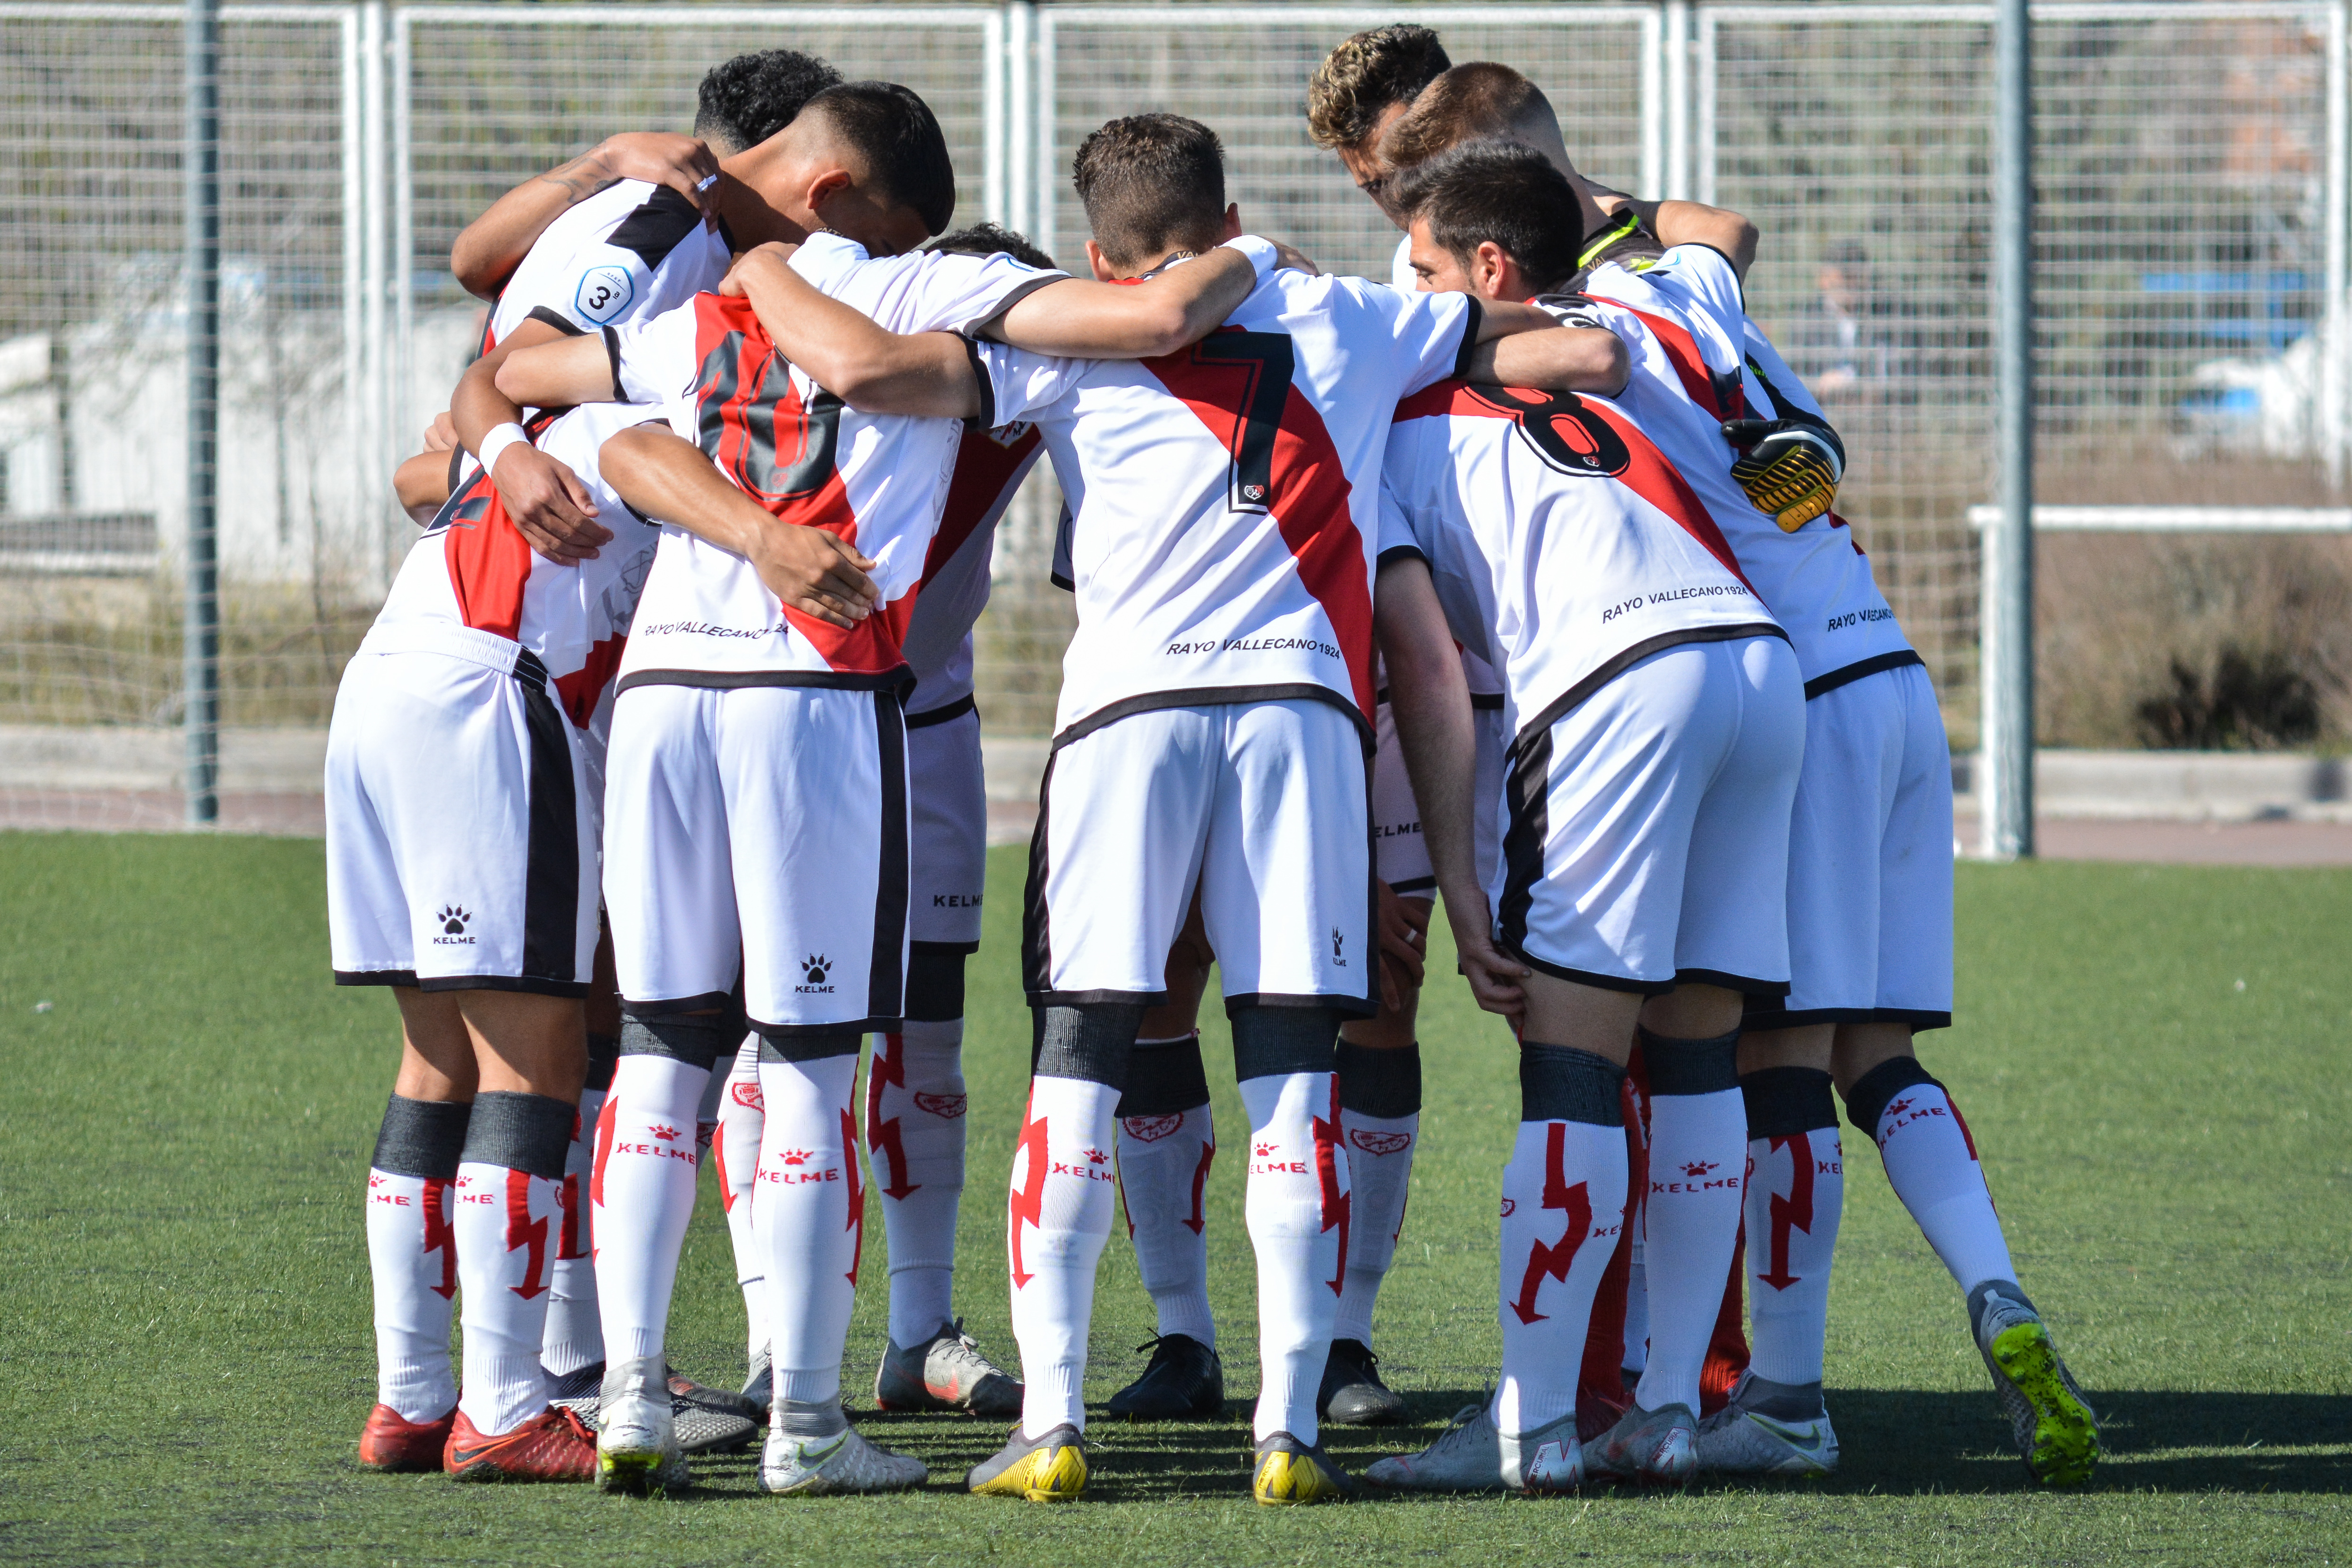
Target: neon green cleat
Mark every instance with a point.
(2055, 1427)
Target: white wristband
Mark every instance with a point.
(1263, 256)
(495, 444)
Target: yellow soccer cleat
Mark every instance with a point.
(2054, 1428)
(1051, 1468)
(1290, 1474)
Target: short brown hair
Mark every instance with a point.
(1365, 75)
(1504, 192)
(1151, 183)
(1481, 99)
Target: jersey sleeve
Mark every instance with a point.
(617, 279)
(1396, 535)
(653, 361)
(1018, 384)
(1432, 334)
(964, 293)
(1701, 278)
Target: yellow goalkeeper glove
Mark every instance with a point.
(1788, 469)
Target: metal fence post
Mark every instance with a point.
(1678, 100)
(1020, 116)
(2006, 692)
(200, 632)
(2334, 432)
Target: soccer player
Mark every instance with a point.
(759, 780)
(1657, 708)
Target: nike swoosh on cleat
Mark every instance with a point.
(815, 1458)
(1806, 1440)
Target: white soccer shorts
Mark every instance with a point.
(1400, 854)
(1870, 860)
(950, 799)
(1264, 804)
(1648, 839)
(461, 845)
(769, 821)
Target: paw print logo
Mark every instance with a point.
(796, 1156)
(1266, 1151)
(1697, 1168)
(1096, 1157)
(816, 967)
(666, 1134)
(453, 920)
(1898, 1109)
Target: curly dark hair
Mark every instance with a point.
(987, 239)
(745, 100)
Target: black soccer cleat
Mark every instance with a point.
(1185, 1381)
(1352, 1393)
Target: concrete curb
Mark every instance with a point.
(2193, 786)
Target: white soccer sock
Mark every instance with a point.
(1637, 1304)
(1379, 1111)
(1931, 1162)
(810, 1213)
(507, 1223)
(1056, 1222)
(412, 1254)
(1795, 1193)
(914, 1139)
(575, 1335)
(1698, 1154)
(1167, 1142)
(641, 1196)
(735, 1147)
(1563, 1209)
(1297, 1208)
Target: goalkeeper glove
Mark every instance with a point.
(1788, 468)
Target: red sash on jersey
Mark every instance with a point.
(984, 464)
(1726, 399)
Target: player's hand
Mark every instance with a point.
(731, 286)
(684, 164)
(549, 506)
(442, 433)
(1788, 468)
(1291, 256)
(816, 573)
(1404, 930)
(1493, 979)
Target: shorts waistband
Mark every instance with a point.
(488, 649)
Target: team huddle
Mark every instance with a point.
(655, 790)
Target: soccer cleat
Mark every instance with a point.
(840, 1462)
(1287, 1473)
(718, 1401)
(759, 1387)
(1185, 1381)
(1051, 1468)
(637, 1445)
(701, 1429)
(578, 1391)
(392, 1443)
(946, 1372)
(1473, 1456)
(1742, 1440)
(1656, 1447)
(552, 1445)
(2055, 1427)
(1352, 1393)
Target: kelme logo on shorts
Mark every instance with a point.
(1337, 941)
(814, 968)
(453, 920)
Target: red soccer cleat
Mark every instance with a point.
(389, 1443)
(552, 1445)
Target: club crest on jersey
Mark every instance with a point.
(1151, 1129)
(747, 1094)
(947, 1107)
(1013, 435)
(814, 968)
(452, 919)
(1379, 1142)
(604, 292)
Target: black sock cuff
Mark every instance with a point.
(794, 1044)
(1380, 1082)
(1561, 1083)
(1690, 1066)
(527, 1132)
(1165, 1078)
(934, 982)
(422, 1138)
(604, 1051)
(1785, 1102)
(1275, 1042)
(695, 1039)
(1094, 1041)
(1866, 1101)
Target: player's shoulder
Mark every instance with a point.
(654, 220)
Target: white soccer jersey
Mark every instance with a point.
(989, 467)
(1564, 545)
(471, 568)
(626, 254)
(1225, 497)
(877, 480)
(1701, 349)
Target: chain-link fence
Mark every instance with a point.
(2191, 218)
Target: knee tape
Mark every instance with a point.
(1690, 1066)
(695, 1039)
(1866, 1101)
(1164, 1079)
(1089, 1040)
(1561, 1083)
(1274, 1042)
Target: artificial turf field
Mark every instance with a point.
(2151, 1059)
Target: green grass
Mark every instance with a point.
(2151, 1059)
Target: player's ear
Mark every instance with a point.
(1100, 265)
(1489, 268)
(826, 185)
(1233, 222)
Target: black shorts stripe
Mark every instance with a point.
(897, 681)
(551, 898)
(1851, 673)
(1529, 792)
(946, 714)
(886, 985)
(1764, 1013)
(1036, 922)
(376, 977)
(530, 984)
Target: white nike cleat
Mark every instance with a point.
(841, 1462)
(1474, 1456)
(1655, 1447)
(1738, 1440)
(636, 1429)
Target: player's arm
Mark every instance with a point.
(551, 508)
(846, 351)
(423, 485)
(1431, 701)
(491, 246)
(812, 572)
(1077, 318)
(1690, 222)
(1555, 358)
